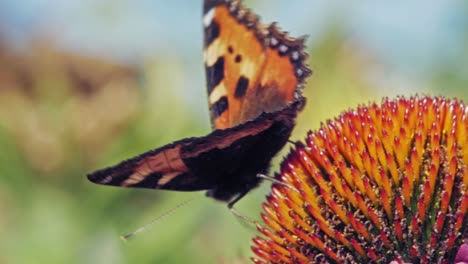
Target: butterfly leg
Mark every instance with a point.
(237, 213)
(268, 178)
(296, 143)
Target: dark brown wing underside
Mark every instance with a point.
(204, 163)
(156, 169)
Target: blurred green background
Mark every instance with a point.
(85, 84)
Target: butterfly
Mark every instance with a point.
(255, 74)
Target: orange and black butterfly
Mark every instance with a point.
(255, 75)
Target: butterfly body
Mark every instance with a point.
(234, 169)
(254, 76)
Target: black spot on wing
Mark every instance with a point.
(211, 33)
(241, 87)
(215, 74)
(219, 107)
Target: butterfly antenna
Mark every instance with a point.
(268, 178)
(242, 217)
(296, 142)
(154, 221)
(237, 213)
(244, 220)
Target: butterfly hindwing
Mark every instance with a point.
(250, 68)
(221, 161)
(282, 75)
(162, 168)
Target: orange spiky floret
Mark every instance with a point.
(376, 184)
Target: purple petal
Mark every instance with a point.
(462, 255)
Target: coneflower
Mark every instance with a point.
(377, 184)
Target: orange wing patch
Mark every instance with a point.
(231, 52)
(282, 75)
(167, 163)
(251, 68)
(154, 169)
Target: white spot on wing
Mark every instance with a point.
(167, 178)
(273, 41)
(213, 52)
(133, 179)
(299, 72)
(295, 55)
(248, 68)
(218, 92)
(107, 179)
(208, 17)
(283, 48)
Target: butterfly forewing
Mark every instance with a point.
(162, 168)
(230, 63)
(250, 68)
